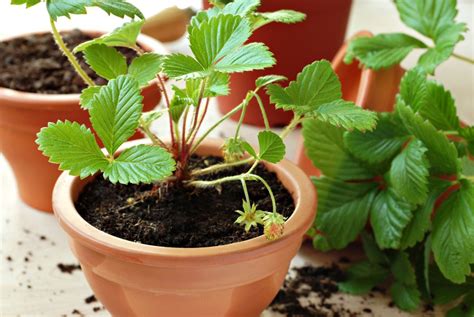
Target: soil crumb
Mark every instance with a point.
(68, 268)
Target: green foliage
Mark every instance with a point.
(106, 61)
(125, 36)
(389, 215)
(336, 199)
(217, 44)
(144, 68)
(281, 16)
(409, 173)
(28, 3)
(272, 148)
(73, 147)
(379, 145)
(325, 147)
(453, 234)
(382, 51)
(87, 95)
(362, 277)
(346, 114)
(434, 19)
(250, 216)
(120, 8)
(116, 112)
(268, 79)
(140, 164)
(315, 85)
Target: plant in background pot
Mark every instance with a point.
(39, 85)
(411, 178)
(189, 226)
(319, 36)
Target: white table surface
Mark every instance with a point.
(32, 285)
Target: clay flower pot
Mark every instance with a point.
(234, 280)
(374, 90)
(294, 45)
(23, 114)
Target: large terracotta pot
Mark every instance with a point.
(234, 280)
(294, 46)
(23, 114)
(374, 90)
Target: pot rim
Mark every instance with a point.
(57, 100)
(294, 179)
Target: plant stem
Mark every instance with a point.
(201, 119)
(242, 114)
(70, 56)
(463, 58)
(162, 87)
(253, 166)
(246, 193)
(245, 176)
(137, 49)
(156, 140)
(220, 167)
(215, 125)
(451, 133)
(290, 127)
(262, 110)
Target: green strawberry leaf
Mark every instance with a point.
(281, 16)
(440, 108)
(217, 85)
(116, 112)
(445, 291)
(362, 277)
(252, 56)
(415, 231)
(409, 173)
(383, 50)
(453, 234)
(414, 90)
(87, 95)
(268, 79)
(406, 297)
(124, 36)
(427, 16)
(389, 216)
(29, 3)
(379, 145)
(345, 114)
(144, 68)
(402, 269)
(120, 8)
(325, 148)
(106, 61)
(343, 209)
(217, 37)
(241, 7)
(180, 66)
(140, 164)
(445, 43)
(272, 148)
(372, 251)
(73, 147)
(442, 154)
(315, 85)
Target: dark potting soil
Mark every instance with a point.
(177, 216)
(34, 63)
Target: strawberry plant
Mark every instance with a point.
(410, 180)
(218, 42)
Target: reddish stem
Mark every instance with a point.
(200, 123)
(165, 94)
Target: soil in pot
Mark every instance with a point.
(34, 63)
(178, 216)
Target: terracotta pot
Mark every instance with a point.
(23, 114)
(374, 90)
(234, 280)
(294, 46)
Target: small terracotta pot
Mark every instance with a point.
(374, 90)
(294, 46)
(234, 280)
(23, 114)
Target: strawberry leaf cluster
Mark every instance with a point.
(410, 180)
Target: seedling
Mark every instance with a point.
(217, 40)
(411, 178)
